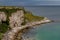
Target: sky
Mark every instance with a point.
(28, 2)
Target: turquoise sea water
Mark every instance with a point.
(50, 31)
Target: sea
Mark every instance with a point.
(48, 31)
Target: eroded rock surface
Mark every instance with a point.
(16, 19)
(2, 16)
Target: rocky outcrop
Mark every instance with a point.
(2, 16)
(16, 19)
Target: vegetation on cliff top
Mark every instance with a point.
(30, 17)
(10, 9)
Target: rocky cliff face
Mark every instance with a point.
(14, 15)
(16, 19)
(2, 16)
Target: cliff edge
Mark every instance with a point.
(14, 19)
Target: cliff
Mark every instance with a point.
(15, 19)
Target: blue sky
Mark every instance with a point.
(28, 2)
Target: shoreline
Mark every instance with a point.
(12, 33)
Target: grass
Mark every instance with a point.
(30, 17)
(1, 34)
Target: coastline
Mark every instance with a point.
(24, 37)
(12, 33)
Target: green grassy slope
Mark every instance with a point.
(30, 17)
